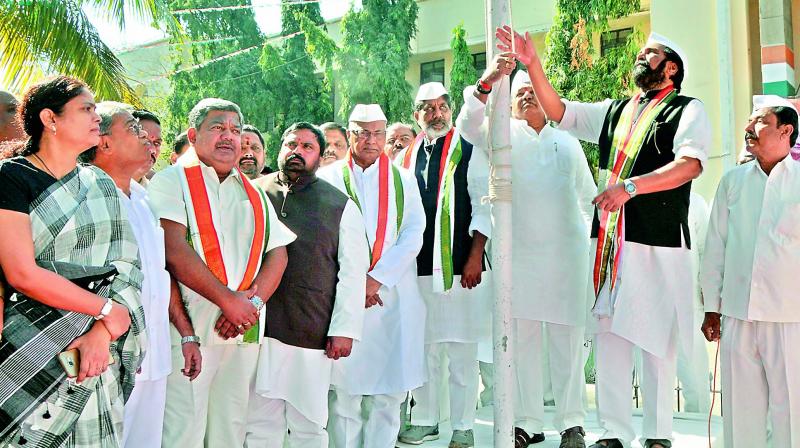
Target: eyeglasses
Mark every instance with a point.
(135, 128)
(362, 134)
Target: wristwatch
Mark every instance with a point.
(630, 187)
(193, 338)
(257, 302)
(105, 310)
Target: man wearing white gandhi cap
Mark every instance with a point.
(749, 276)
(453, 177)
(651, 147)
(553, 191)
(388, 361)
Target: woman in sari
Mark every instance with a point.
(54, 212)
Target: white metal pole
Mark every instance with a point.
(726, 94)
(498, 13)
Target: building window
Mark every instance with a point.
(614, 39)
(431, 71)
(479, 62)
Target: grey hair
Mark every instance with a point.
(200, 111)
(107, 110)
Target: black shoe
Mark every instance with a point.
(523, 440)
(572, 438)
(611, 443)
(663, 442)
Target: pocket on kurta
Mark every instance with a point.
(788, 224)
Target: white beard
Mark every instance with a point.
(433, 134)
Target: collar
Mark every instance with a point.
(301, 183)
(137, 191)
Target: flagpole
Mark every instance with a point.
(498, 13)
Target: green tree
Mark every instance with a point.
(370, 65)
(38, 36)
(294, 91)
(217, 57)
(571, 64)
(463, 72)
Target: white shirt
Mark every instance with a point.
(233, 218)
(552, 209)
(155, 287)
(752, 252)
(389, 358)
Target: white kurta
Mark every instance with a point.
(464, 311)
(389, 358)
(749, 274)
(233, 218)
(216, 401)
(553, 192)
(653, 293)
(302, 376)
(749, 271)
(144, 411)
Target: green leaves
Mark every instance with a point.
(572, 66)
(40, 36)
(462, 73)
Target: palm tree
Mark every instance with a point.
(42, 36)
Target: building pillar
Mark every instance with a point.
(777, 52)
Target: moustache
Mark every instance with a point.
(750, 136)
(296, 157)
(250, 158)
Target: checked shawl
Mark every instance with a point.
(78, 220)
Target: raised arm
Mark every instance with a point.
(524, 50)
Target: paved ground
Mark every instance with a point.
(691, 431)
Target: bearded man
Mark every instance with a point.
(651, 147)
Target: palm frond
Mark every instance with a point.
(56, 36)
(154, 12)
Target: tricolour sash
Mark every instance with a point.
(443, 242)
(201, 220)
(629, 135)
(384, 164)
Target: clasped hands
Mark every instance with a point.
(238, 314)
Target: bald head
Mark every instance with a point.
(9, 128)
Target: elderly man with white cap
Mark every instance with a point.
(651, 147)
(389, 359)
(317, 311)
(453, 177)
(749, 277)
(553, 192)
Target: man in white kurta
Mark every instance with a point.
(389, 359)
(123, 150)
(236, 255)
(316, 315)
(651, 147)
(749, 277)
(452, 277)
(553, 191)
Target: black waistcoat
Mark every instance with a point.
(654, 219)
(462, 215)
(299, 312)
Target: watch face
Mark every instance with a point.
(630, 187)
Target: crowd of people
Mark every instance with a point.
(338, 300)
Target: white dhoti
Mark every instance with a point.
(273, 422)
(212, 409)
(215, 403)
(565, 346)
(144, 414)
(462, 381)
(760, 364)
(290, 394)
(358, 421)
